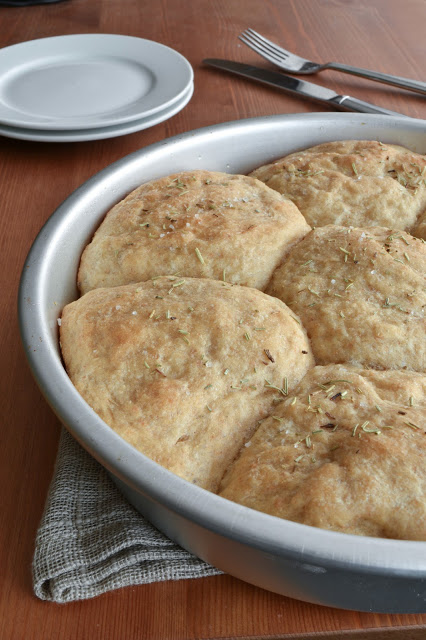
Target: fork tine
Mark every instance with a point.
(264, 42)
(267, 53)
(270, 46)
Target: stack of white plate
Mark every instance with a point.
(89, 87)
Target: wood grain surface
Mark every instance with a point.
(387, 35)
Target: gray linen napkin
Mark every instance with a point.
(91, 540)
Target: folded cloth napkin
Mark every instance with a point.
(91, 540)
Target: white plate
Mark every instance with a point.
(88, 81)
(100, 133)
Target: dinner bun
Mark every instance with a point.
(345, 451)
(360, 294)
(352, 182)
(183, 368)
(201, 224)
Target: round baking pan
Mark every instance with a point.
(324, 567)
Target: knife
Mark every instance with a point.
(298, 87)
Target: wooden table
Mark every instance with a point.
(36, 177)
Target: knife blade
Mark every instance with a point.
(298, 87)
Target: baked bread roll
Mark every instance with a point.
(346, 451)
(352, 183)
(360, 294)
(183, 368)
(201, 224)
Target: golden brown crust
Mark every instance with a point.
(352, 183)
(200, 224)
(360, 294)
(346, 451)
(178, 367)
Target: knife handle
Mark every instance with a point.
(347, 103)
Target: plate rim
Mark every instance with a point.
(80, 122)
(98, 133)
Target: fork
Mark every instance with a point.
(292, 63)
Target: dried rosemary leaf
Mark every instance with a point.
(199, 256)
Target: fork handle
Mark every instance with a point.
(396, 81)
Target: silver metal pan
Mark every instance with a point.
(295, 560)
